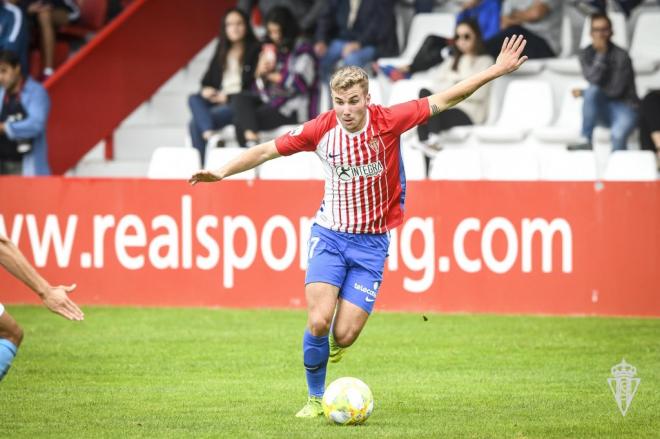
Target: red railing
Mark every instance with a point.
(121, 68)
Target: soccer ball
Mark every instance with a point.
(348, 401)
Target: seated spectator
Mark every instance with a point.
(230, 71)
(354, 33)
(432, 51)
(539, 21)
(286, 88)
(611, 98)
(51, 15)
(24, 107)
(13, 32)
(593, 6)
(470, 57)
(649, 122)
(306, 12)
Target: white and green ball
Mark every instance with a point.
(348, 401)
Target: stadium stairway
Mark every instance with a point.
(124, 65)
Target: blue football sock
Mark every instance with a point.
(7, 354)
(315, 359)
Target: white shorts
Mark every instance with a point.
(2, 309)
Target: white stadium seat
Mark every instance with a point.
(422, 25)
(565, 165)
(174, 162)
(510, 164)
(568, 126)
(527, 104)
(644, 49)
(218, 157)
(456, 164)
(299, 166)
(631, 166)
(414, 164)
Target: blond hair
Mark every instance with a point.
(348, 76)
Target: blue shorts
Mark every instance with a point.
(352, 262)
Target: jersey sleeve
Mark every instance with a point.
(402, 117)
(301, 138)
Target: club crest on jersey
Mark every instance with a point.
(373, 144)
(348, 173)
(296, 131)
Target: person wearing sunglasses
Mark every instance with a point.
(469, 56)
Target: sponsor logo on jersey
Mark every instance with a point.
(348, 173)
(296, 131)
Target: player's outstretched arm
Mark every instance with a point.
(56, 298)
(509, 60)
(251, 158)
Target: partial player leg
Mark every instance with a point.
(11, 336)
(348, 323)
(321, 302)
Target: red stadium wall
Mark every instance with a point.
(122, 67)
(496, 247)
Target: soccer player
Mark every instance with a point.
(55, 299)
(359, 146)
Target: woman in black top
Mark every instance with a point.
(230, 71)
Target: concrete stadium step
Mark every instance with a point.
(161, 109)
(139, 142)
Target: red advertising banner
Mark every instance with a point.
(497, 247)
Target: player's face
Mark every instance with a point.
(351, 107)
(9, 76)
(235, 27)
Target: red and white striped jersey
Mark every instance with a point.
(365, 183)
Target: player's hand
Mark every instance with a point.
(203, 176)
(510, 58)
(57, 300)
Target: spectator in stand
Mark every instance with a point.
(470, 57)
(230, 71)
(14, 32)
(649, 122)
(354, 33)
(306, 11)
(286, 88)
(611, 98)
(24, 107)
(51, 15)
(592, 6)
(432, 51)
(539, 21)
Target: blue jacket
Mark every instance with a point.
(375, 25)
(14, 32)
(487, 14)
(36, 103)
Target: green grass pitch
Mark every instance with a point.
(127, 372)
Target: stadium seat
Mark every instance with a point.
(414, 163)
(527, 104)
(631, 166)
(300, 166)
(422, 25)
(456, 164)
(173, 162)
(376, 92)
(566, 129)
(571, 66)
(406, 90)
(510, 164)
(644, 47)
(217, 157)
(562, 165)
(92, 18)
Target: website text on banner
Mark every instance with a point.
(542, 247)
